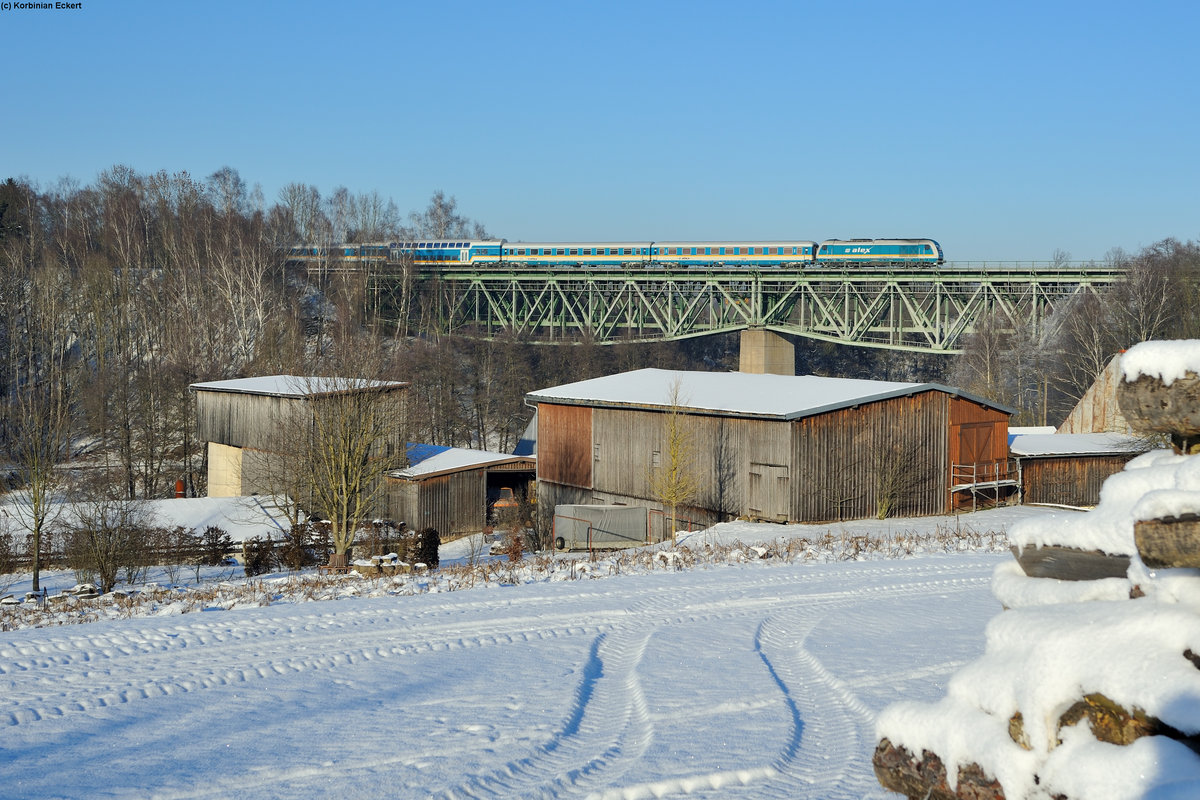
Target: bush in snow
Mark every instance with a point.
(513, 544)
(215, 545)
(297, 549)
(427, 549)
(258, 556)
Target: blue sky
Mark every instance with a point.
(1004, 130)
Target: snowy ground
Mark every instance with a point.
(759, 679)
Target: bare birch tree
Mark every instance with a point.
(672, 480)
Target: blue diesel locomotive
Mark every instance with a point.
(829, 253)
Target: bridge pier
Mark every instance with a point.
(766, 352)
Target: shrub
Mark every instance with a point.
(215, 545)
(513, 545)
(427, 549)
(259, 556)
(296, 550)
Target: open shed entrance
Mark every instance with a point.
(507, 486)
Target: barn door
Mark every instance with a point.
(767, 495)
(975, 443)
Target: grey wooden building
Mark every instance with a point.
(1070, 468)
(248, 422)
(770, 447)
(453, 489)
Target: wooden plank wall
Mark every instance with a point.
(1068, 480)
(565, 445)
(261, 421)
(842, 458)
(243, 420)
(723, 448)
(454, 504)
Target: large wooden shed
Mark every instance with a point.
(247, 420)
(771, 447)
(451, 489)
(1069, 468)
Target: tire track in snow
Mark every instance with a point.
(88, 672)
(609, 691)
(607, 728)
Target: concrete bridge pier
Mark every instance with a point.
(766, 352)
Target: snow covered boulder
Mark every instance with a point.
(1160, 390)
(925, 778)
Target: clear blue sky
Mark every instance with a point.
(1004, 130)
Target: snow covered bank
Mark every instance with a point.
(756, 680)
(1089, 689)
(467, 564)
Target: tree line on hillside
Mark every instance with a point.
(122, 293)
(1043, 370)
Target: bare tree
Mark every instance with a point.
(672, 480)
(39, 438)
(106, 532)
(352, 446)
(441, 220)
(37, 423)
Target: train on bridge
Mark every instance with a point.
(644, 255)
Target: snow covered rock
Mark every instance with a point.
(1087, 689)
(900, 771)
(1160, 392)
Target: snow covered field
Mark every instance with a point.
(759, 679)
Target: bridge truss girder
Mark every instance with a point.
(915, 311)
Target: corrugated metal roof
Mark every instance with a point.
(294, 385)
(737, 393)
(1065, 444)
(455, 459)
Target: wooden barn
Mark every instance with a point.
(249, 422)
(770, 447)
(1098, 411)
(1068, 469)
(453, 489)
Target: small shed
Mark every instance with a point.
(1068, 469)
(452, 489)
(246, 421)
(798, 448)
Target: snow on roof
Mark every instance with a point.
(1166, 361)
(418, 452)
(1064, 444)
(293, 385)
(1016, 430)
(454, 459)
(740, 393)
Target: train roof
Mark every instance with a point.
(879, 241)
(736, 242)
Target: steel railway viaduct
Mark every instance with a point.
(926, 311)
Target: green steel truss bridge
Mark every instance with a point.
(926, 311)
